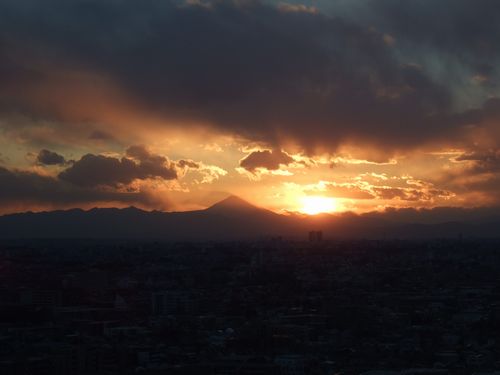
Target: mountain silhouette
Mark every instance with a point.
(234, 205)
(235, 219)
(232, 218)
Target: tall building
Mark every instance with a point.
(315, 236)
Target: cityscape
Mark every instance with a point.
(273, 306)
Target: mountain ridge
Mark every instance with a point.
(236, 219)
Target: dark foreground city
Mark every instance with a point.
(269, 307)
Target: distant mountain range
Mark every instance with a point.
(236, 219)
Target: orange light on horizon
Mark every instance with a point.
(314, 205)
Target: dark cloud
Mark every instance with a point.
(467, 29)
(97, 170)
(21, 188)
(46, 157)
(270, 160)
(12, 72)
(100, 135)
(90, 180)
(241, 66)
(141, 153)
(487, 161)
(455, 40)
(409, 194)
(152, 165)
(188, 164)
(479, 176)
(95, 179)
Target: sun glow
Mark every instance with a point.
(313, 205)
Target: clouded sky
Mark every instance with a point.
(172, 105)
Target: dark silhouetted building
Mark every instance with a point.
(315, 236)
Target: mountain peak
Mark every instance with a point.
(232, 203)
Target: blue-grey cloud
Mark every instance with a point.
(100, 170)
(47, 157)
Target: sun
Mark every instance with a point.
(313, 205)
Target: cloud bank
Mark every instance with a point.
(262, 72)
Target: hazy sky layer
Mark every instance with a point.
(172, 105)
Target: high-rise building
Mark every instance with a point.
(315, 236)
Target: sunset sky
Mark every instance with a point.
(309, 106)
